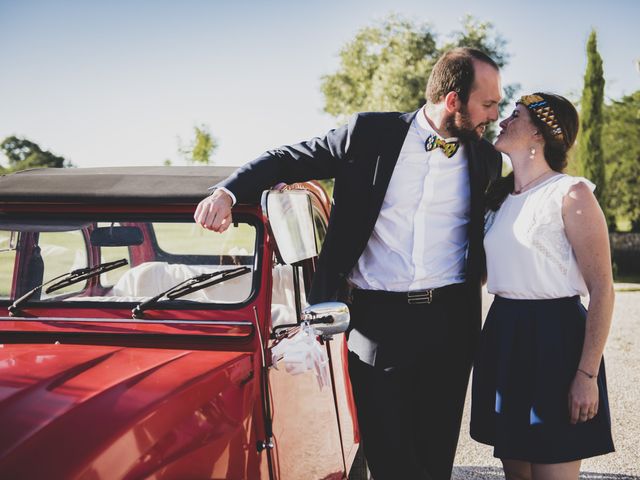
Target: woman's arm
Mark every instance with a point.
(587, 232)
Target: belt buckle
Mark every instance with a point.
(420, 296)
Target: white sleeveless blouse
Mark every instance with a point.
(528, 253)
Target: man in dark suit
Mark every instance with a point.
(405, 243)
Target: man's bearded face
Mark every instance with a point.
(461, 125)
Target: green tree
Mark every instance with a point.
(386, 66)
(589, 153)
(383, 68)
(201, 147)
(481, 36)
(620, 134)
(23, 154)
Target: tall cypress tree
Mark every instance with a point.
(590, 154)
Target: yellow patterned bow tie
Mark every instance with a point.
(449, 148)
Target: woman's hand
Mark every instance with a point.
(583, 398)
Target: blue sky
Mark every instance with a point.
(116, 83)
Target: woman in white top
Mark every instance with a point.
(539, 387)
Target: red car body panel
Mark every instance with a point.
(90, 393)
(145, 408)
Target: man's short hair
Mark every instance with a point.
(454, 72)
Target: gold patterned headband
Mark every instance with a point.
(541, 109)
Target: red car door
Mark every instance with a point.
(305, 422)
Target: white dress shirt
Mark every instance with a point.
(420, 238)
(227, 191)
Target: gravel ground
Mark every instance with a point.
(475, 461)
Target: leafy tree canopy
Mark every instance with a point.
(201, 148)
(22, 154)
(620, 134)
(589, 152)
(386, 66)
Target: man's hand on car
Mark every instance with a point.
(214, 212)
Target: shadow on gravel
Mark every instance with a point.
(493, 473)
(606, 476)
(477, 473)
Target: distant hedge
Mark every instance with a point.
(626, 252)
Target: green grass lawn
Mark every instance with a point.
(6, 270)
(172, 236)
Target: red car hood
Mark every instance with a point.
(78, 411)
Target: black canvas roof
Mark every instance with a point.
(111, 184)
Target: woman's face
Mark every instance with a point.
(517, 132)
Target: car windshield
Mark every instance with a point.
(159, 252)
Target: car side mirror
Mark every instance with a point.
(328, 318)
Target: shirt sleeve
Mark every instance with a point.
(226, 190)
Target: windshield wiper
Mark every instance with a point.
(67, 279)
(190, 285)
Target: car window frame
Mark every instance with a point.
(177, 304)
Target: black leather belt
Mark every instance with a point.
(413, 297)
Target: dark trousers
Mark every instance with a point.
(409, 367)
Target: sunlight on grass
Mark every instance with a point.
(623, 225)
(111, 254)
(7, 259)
(181, 239)
(61, 253)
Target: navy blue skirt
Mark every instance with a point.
(527, 358)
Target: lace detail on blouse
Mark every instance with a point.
(546, 234)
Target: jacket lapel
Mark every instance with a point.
(386, 162)
(475, 176)
(477, 172)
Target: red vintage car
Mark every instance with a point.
(134, 344)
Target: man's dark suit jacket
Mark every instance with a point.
(361, 157)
